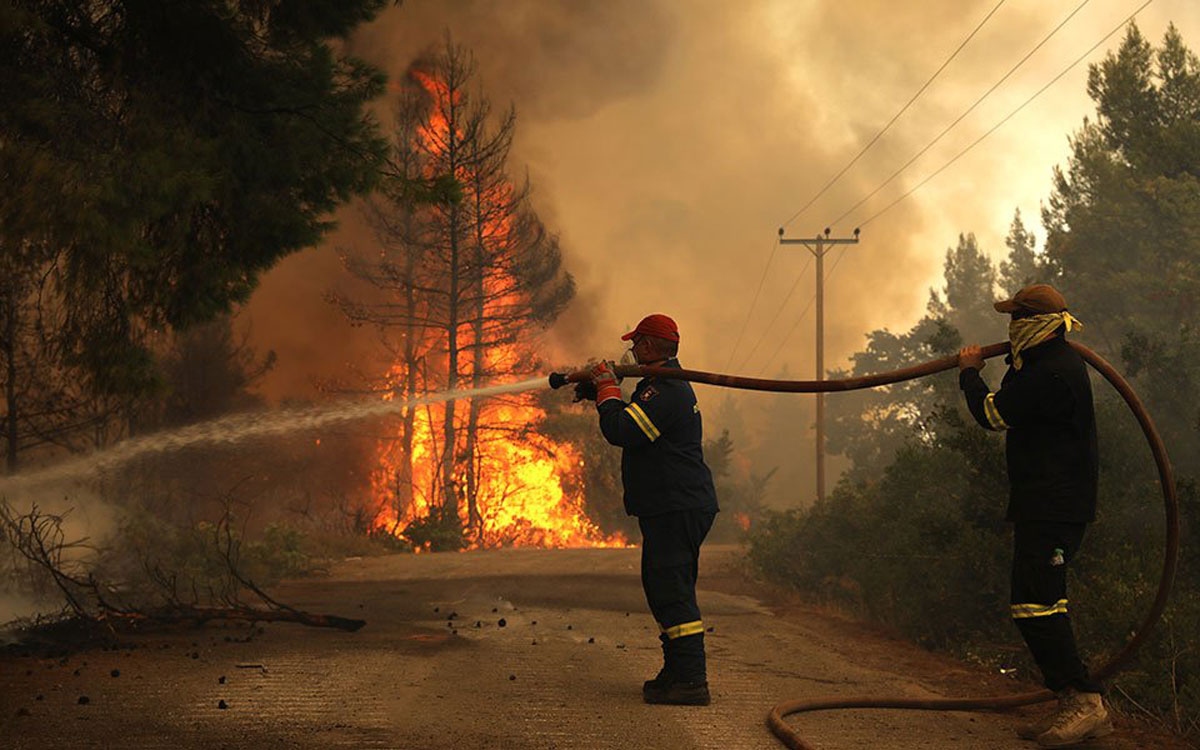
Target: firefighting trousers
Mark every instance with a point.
(670, 562)
(1042, 551)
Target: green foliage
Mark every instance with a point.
(193, 556)
(1023, 266)
(437, 532)
(870, 426)
(921, 548)
(1123, 220)
(190, 558)
(280, 552)
(208, 372)
(169, 153)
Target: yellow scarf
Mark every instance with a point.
(1025, 333)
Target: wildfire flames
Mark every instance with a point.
(524, 488)
(528, 493)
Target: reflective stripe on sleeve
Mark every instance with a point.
(639, 417)
(1021, 611)
(685, 629)
(993, 414)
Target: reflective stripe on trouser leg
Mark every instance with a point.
(683, 629)
(1022, 611)
(671, 594)
(670, 554)
(1042, 552)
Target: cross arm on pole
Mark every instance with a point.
(820, 241)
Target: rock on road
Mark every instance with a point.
(513, 649)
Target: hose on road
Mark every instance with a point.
(775, 720)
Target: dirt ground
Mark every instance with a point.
(505, 649)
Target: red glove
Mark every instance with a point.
(605, 380)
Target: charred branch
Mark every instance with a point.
(38, 538)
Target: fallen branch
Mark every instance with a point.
(39, 538)
(201, 615)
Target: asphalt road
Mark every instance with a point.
(508, 649)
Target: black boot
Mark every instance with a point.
(670, 691)
(660, 680)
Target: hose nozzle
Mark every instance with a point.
(558, 380)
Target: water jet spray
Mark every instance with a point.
(238, 428)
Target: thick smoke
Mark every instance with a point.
(667, 141)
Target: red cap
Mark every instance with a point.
(655, 325)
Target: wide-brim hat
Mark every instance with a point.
(658, 325)
(1037, 298)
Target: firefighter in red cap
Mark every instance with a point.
(669, 489)
(1044, 406)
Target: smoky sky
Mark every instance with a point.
(666, 142)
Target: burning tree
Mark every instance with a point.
(467, 283)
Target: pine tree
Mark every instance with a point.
(1021, 268)
(1123, 225)
(1121, 222)
(477, 274)
(869, 427)
(404, 318)
(169, 153)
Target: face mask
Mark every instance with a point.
(1024, 333)
(628, 357)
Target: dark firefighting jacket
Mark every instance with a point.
(662, 461)
(1046, 411)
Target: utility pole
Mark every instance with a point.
(818, 246)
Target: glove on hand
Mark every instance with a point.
(605, 380)
(585, 390)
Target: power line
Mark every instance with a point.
(836, 177)
(895, 117)
(753, 302)
(960, 154)
(836, 261)
(997, 126)
(959, 119)
(778, 312)
(1009, 116)
(784, 340)
(803, 315)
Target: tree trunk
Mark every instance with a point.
(477, 372)
(478, 362)
(12, 415)
(450, 496)
(404, 490)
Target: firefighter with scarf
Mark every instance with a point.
(669, 489)
(1044, 407)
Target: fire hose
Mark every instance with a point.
(775, 720)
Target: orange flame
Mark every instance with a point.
(528, 493)
(529, 488)
(743, 520)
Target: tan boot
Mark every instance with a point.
(1032, 729)
(1081, 716)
